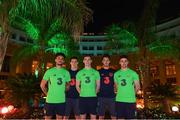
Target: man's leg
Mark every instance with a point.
(48, 117)
(83, 116)
(49, 111)
(76, 108)
(120, 106)
(60, 111)
(92, 107)
(130, 110)
(83, 106)
(111, 106)
(101, 108)
(68, 108)
(92, 117)
(59, 117)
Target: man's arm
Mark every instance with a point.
(67, 86)
(137, 85)
(97, 86)
(115, 87)
(43, 86)
(78, 86)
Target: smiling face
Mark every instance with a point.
(87, 61)
(124, 63)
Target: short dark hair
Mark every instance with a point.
(60, 54)
(87, 56)
(105, 55)
(74, 57)
(123, 56)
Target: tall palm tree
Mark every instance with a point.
(163, 47)
(5, 7)
(68, 15)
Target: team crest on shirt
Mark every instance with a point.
(128, 76)
(83, 74)
(110, 74)
(119, 76)
(54, 75)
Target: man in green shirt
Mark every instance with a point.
(127, 84)
(57, 79)
(88, 85)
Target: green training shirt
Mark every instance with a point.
(125, 85)
(57, 79)
(88, 78)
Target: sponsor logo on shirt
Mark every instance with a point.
(73, 82)
(110, 74)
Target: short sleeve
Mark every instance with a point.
(135, 76)
(115, 77)
(97, 76)
(46, 75)
(68, 77)
(78, 76)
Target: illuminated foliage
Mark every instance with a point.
(51, 25)
(121, 40)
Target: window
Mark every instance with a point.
(29, 40)
(171, 80)
(6, 64)
(22, 38)
(99, 47)
(13, 36)
(170, 69)
(154, 71)
(91, 48)
(85, 48)
(3, 77)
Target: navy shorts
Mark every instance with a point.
(88, 105)
(52, 109)
(125, 110)
(106, 104)
(72, 104)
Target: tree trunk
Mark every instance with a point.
(3, 46)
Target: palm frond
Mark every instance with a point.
(121, 39)
(27, 26)
(23, 86)
(164, 48)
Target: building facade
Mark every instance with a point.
(166, 70)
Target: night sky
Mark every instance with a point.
(106, 12)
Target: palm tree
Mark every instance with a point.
(5, 7)
(22, 88)
(121, 41)
(48, 17)
(148, 42)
